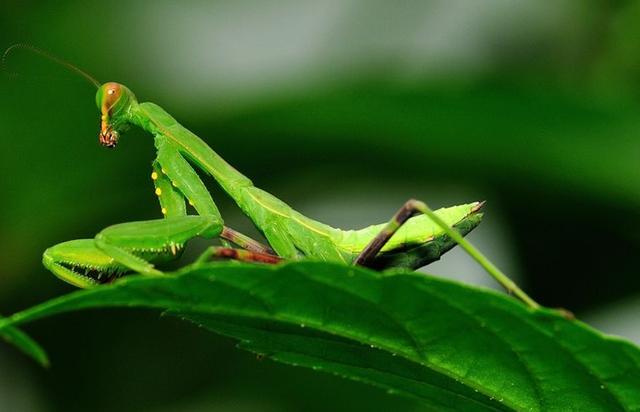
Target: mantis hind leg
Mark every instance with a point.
(411, 208)
(377, 243)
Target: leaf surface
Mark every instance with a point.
(453, 346)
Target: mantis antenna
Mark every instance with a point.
(48, 56)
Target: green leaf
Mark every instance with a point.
(27, 345)
(453, 346)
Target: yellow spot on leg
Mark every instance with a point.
(190, 202)
(154, 176)
(164, 210)
(174, 184)
(158, 191)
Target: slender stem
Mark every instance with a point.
(492, 269)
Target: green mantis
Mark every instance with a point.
(413, 237)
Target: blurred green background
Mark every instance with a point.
(344, 109)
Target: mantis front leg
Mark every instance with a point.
(127, 247)
(138, 246)
(176, 180)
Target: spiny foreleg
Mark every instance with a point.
(137, 244)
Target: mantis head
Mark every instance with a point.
(115, 102)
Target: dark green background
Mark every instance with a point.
(344, 109)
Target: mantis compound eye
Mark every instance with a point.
(110, 94)
(109, 138)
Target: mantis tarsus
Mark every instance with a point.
(413, 237)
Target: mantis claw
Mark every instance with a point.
(82, 264)
(126, 248)
(126, 258)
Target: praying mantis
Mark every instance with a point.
(412, 238)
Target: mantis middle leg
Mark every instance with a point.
(237, 254)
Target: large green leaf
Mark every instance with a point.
(453, 346)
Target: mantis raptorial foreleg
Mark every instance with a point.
(126, 258)
(173, 171)
(137, 246)
(127, 247)
(172, 202)
(184, 179)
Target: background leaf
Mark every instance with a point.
(27, 345)
(344, 109)
(451, 345)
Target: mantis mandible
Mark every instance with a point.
(413, 237)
